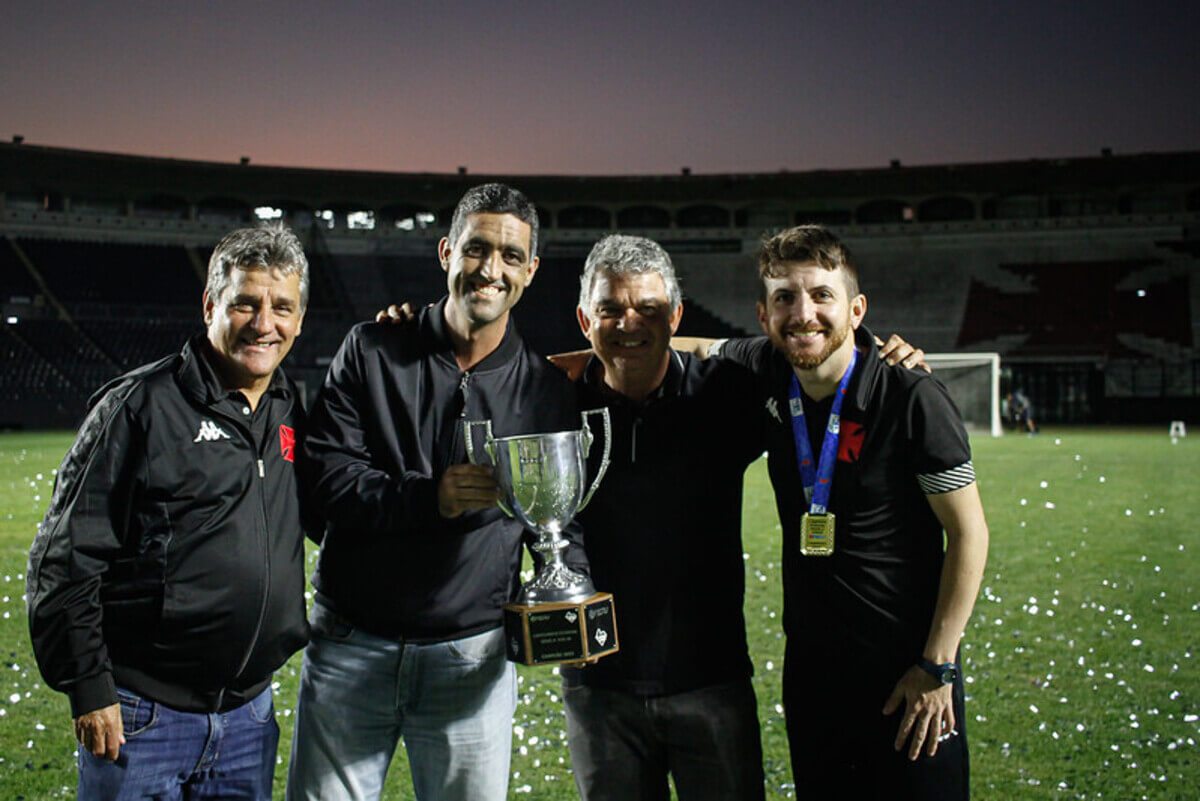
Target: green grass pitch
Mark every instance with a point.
(1080, 658)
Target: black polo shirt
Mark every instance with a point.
(274, 401)
(901, 437)
(663, 531)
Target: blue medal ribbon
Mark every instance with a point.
(818, 479)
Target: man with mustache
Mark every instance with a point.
(417, 560)
(869, 464)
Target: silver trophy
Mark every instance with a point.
(558, 615)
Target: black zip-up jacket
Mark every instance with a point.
(171, 559)
(664, 530)
(385, 426)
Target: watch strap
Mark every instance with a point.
(945, 672)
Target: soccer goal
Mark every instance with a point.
(973, 380)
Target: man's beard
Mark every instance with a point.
(806, 361)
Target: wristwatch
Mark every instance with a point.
(945, 673)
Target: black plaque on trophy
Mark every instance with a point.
(561, 632)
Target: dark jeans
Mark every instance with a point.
(170, 754)
(842, 746)
(623, 746)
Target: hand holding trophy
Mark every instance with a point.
(558, 616)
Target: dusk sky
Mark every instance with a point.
(585, 88)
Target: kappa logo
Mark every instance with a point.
(209, 432)
(773, 409)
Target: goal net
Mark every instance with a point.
(973, 381)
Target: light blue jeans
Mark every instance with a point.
(452, 702)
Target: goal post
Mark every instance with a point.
(973, 381)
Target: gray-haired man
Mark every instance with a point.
(664, 535)
(167, 580)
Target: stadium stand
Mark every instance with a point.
(99, 274)
(31, 388)
(1078, 308)
(16, 285)
(83, 366)
(132, 341)
(1083, 274)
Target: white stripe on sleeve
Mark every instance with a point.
(947, 480)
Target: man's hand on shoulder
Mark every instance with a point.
(928, 712)
(403, 314)
(572, 363)
(897, 351)
(101, 731)
(700, 347)
(466, 488)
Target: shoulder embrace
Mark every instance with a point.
(717, 371)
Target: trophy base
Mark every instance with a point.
(549, 633)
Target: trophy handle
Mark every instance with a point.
(469, 438)
(489, 445)
(586, 437)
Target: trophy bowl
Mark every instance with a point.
(558, 616)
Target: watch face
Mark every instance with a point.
(949, 674)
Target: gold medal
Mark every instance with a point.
(816, 534)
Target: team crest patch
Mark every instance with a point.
(851, 441)
(287, 443)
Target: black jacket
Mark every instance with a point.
(171, 559)
(385, 426)
(664, 528)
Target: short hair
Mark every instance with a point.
(495, 199)
(271, 245)
(804, 244)
(620, 254)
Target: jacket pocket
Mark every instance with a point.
(132, 595)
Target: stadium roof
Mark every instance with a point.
(35, 169)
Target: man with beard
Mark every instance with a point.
(869, 464)
(417, 560)
(676, 703)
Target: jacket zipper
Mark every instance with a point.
(264, 538)
(464, 389)
(464, 392)
(248, 436)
